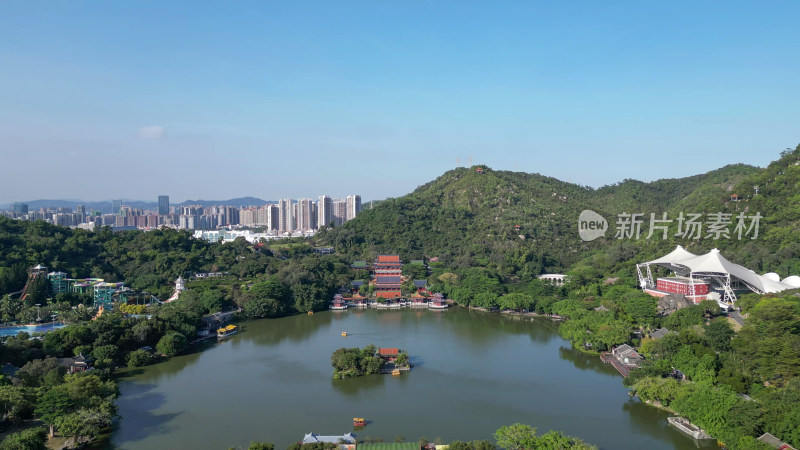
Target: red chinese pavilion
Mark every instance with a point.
(388, 271)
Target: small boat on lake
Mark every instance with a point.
(344, 333)
(227, 331)
(359, 422)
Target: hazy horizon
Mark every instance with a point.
(364, 199)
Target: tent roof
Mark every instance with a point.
(681, 260)
(675, 256)
(714, 262)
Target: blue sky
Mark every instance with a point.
(275, 99)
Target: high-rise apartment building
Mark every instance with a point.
(339, 212)
(306, 219)
(263, 216)
(249, 217)
(273, 216)
(324, 211)
(285, 215)
(353, 206)
(163, 205)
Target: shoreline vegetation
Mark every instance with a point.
(508, 437)
(490, 245)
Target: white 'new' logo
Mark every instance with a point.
(591, 225)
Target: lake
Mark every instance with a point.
(474, 372)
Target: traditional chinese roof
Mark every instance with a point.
(9, 370)
(393, 351)
(79, 360)
(420, 283)
(660, 333)
(626, 351)
(312, 438)
(381, 279)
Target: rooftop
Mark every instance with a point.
(773, 441)
(660, 333)
(684, 280)
(312, 438)
(389, 279)
(626, 351)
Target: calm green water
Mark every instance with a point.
(474, 372)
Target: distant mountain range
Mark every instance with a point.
(105, 206)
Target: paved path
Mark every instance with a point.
(737, 317)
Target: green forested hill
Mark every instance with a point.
(466, 218)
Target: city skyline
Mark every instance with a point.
(155, 202)
(284, 216)
(283, 97)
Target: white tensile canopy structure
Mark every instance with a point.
(712, 266)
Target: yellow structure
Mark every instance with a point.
(230, 330)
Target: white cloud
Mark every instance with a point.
(154, 132)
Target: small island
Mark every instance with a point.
(356, 362)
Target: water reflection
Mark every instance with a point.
(586, 361)
(139, 402)
(273, 381)
(484, 329)
(654, 421)
(297, 328)
(357, 385)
